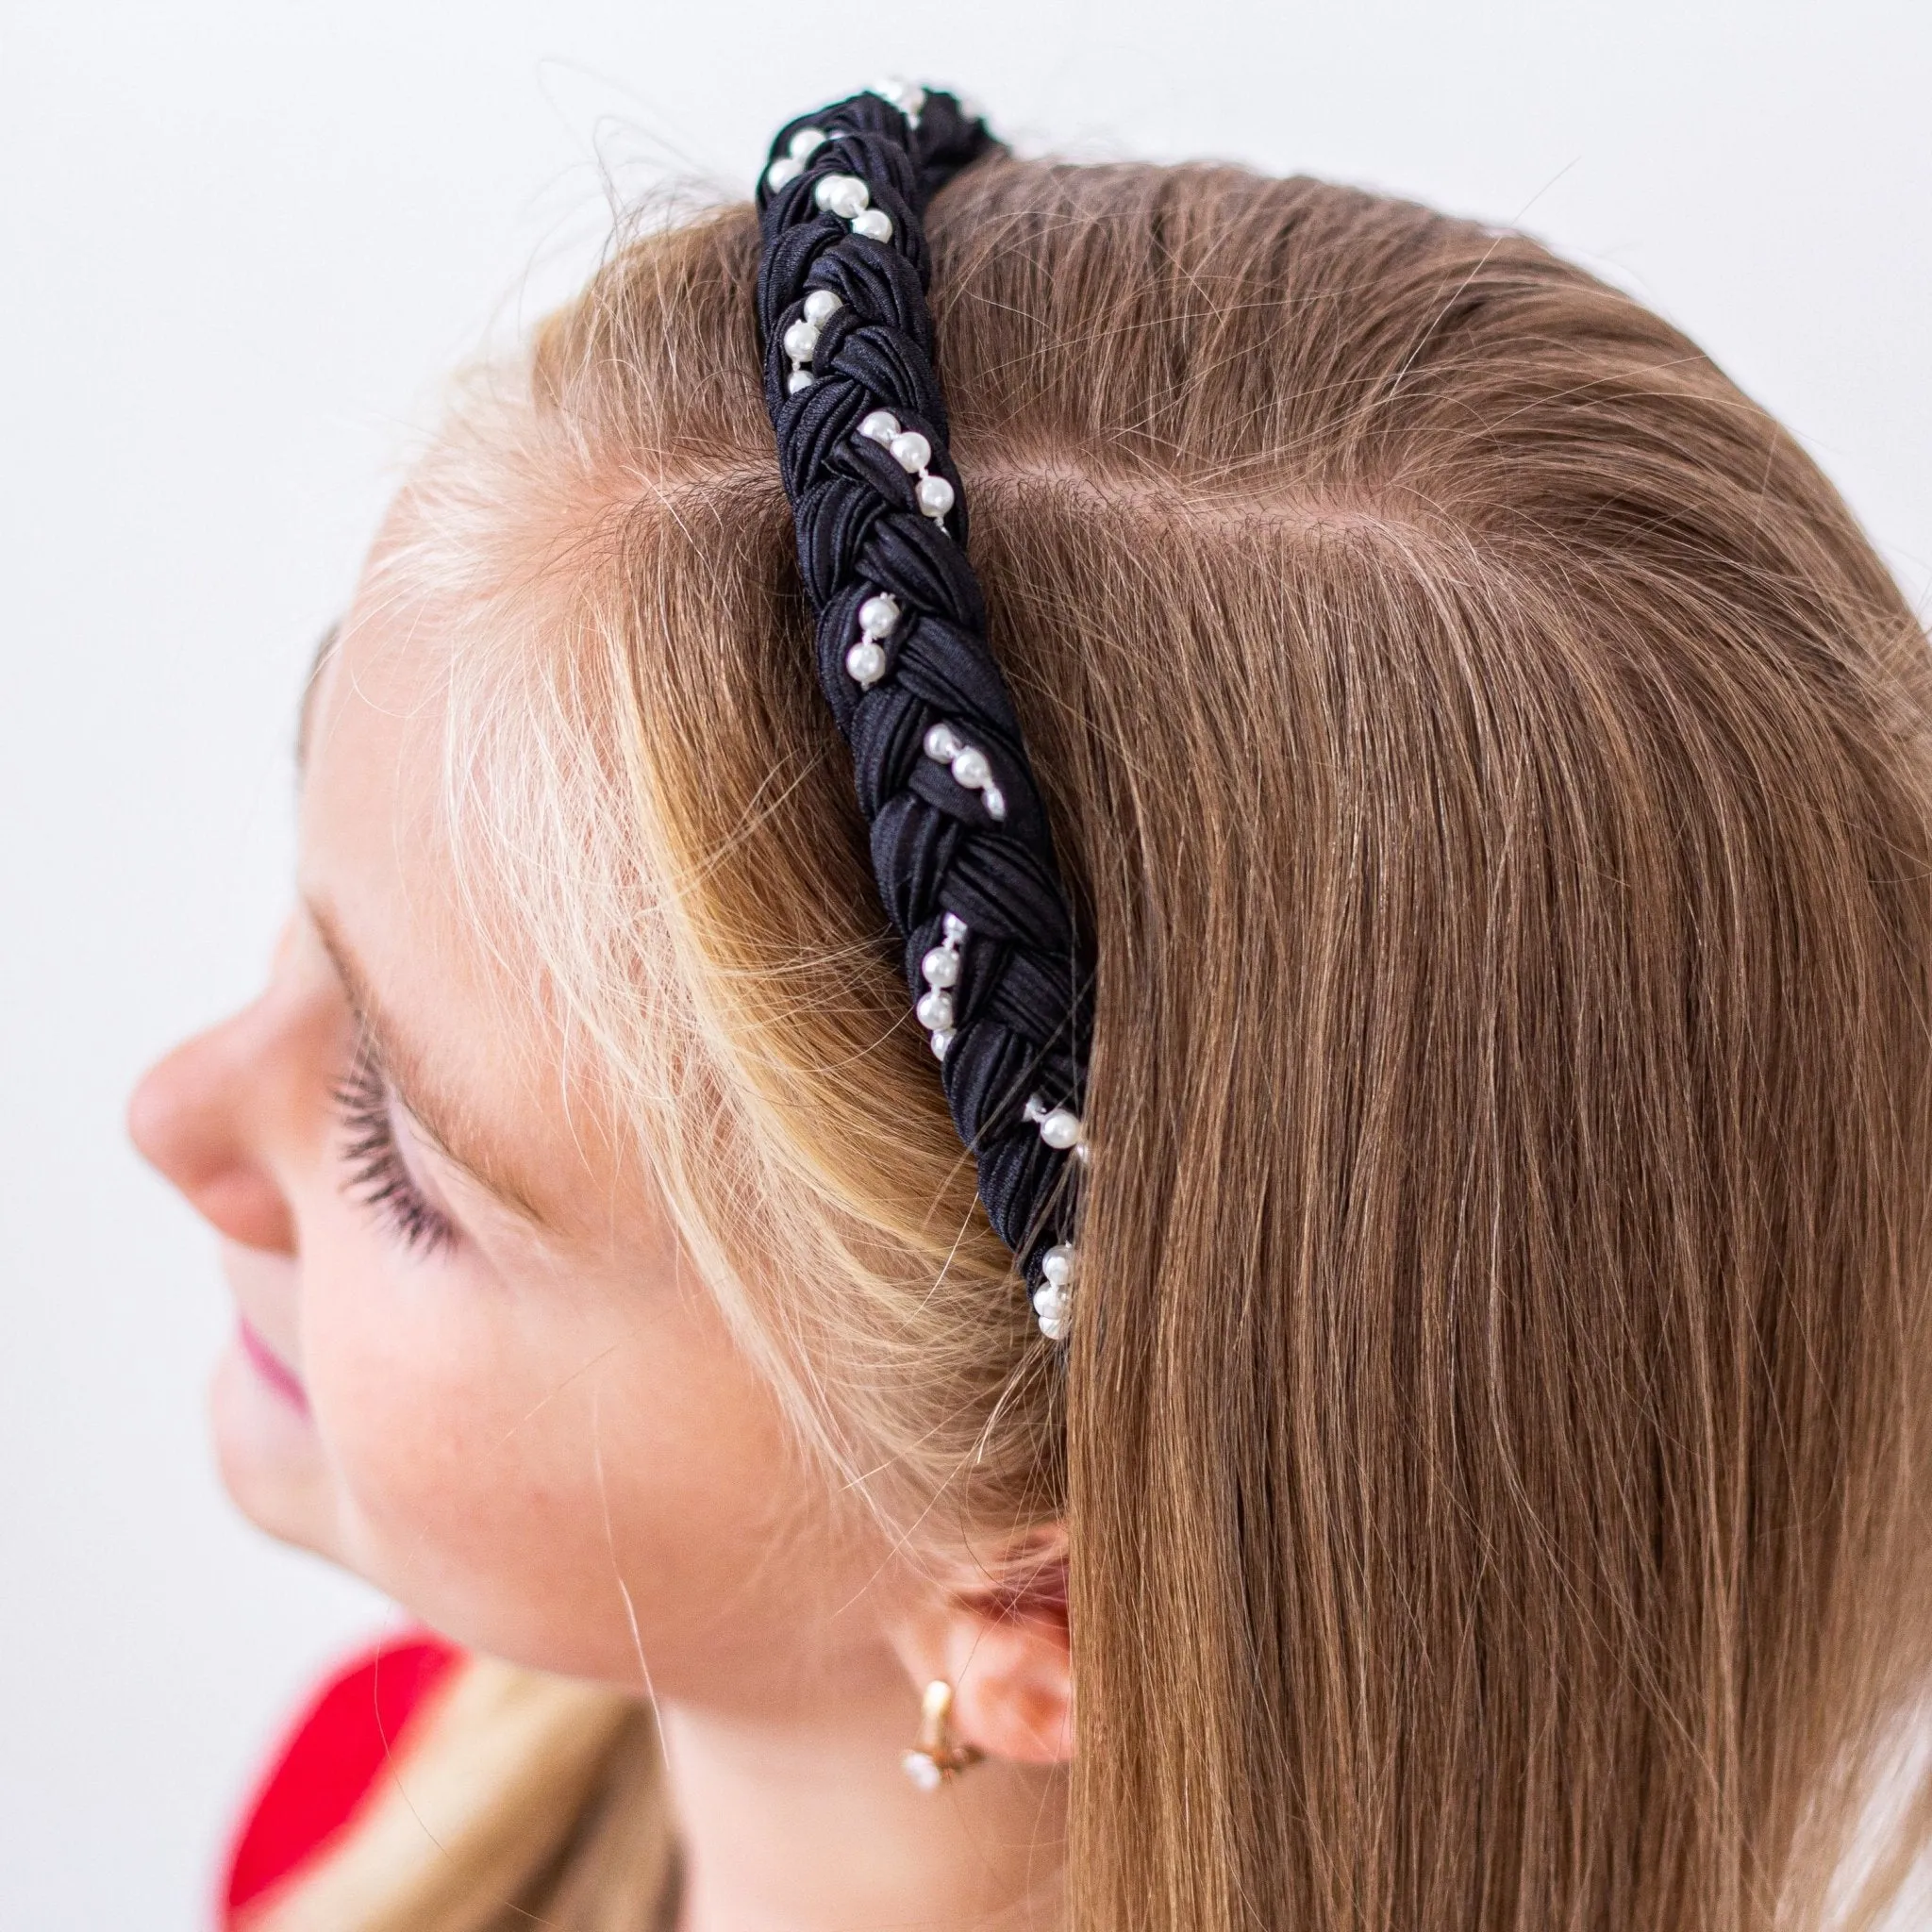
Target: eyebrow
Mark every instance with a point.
(404, 1073)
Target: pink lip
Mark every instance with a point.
(272, 1368)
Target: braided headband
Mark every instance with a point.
(959, 839)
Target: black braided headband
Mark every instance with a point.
(959, 840)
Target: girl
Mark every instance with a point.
(1419, 1418)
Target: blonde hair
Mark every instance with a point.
(1495, 773)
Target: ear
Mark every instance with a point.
(997, 1632)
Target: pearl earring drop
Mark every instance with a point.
(938, 1757)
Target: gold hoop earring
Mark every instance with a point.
(939, 1756)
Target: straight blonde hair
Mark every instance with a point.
(1494, 771)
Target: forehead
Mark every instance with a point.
(371, 741)
(379, 870)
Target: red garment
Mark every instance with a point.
(331, 1763)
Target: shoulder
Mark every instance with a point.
(332, 1762)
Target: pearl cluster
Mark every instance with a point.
(970, 766)
(850, 199)
(939, 969)
(1062, 1131)
(844, 195)
(878, 617)
(912, 453)
(907, 95)
(1059, 1127)
(802, 339)
(1053, 1299)
(790, 165)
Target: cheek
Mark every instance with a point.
(531, 1465)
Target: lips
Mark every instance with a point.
(272, 1368)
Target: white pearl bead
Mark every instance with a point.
(880, 426)
(935, 496)
(801, 339)
(1035, 1109)
(1061, 1129)
(866, 662)
(907, 95)
(922, 1770)
(798, 379)
(821, 305)
(941, 1041)
(942, 743)
(911, 451)
(878, 617)
(1056, 1264)
(995, 802)
(1051, 1310)
(939, 968)
(782, 173)
(874, 222)
(954, 928)
(806, 142)
(844, 195)
(970, 767)
(935, 1012)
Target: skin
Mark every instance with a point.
(534, 1431)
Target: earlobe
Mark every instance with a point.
(1005, 1648)
(1013, 1695)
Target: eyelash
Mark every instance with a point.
(376, 1175)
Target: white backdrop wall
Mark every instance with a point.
(239, 243)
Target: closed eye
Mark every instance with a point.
(377, 1174)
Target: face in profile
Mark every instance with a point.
(469, 1363)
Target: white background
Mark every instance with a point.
(241, 240)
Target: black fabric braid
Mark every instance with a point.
(1022, 1025)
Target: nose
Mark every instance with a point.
(194, 1116)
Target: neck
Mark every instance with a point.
(808, 1821)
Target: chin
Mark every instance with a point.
(268, 1455)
